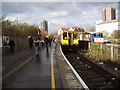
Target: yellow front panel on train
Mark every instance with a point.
(64, 38)
(64, 42)
(75, 41)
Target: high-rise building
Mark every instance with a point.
(44, 25)
(108, 14)
(104, 14)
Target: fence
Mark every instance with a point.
(112, 49)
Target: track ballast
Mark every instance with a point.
(92, 74)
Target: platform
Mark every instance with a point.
(43, 71)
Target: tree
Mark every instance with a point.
(116, 34)
(54, 33)
(14, 28)
(91, 29)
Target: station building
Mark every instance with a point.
(109, 22)
(108, 26)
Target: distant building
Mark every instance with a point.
(108, 14)
(109, 23)
(44, 25)
(104, 14)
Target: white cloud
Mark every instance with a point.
(21, 18)
(52, 17)
(60, 1)
(59, 22)
(58, 14)
(11, 18)
(91, 14)
(84, 13)
(16, 16)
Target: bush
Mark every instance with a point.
(15, 28)
(96, 53)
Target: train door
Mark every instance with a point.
(64, 39)
(70, 38)
(75, 38)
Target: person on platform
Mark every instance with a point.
(30, 42)
(42, 41)
(53, 39)
(46, 40)
(11, 45)
(37, 46)
(50, 40)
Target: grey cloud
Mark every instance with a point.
(13, 7)
(71, 7)
(22, 7)
(74, 10)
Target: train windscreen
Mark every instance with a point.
(75, 35)
(65, 35)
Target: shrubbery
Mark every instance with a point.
(97, 53)
(15, 28)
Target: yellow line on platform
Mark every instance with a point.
(52, 72)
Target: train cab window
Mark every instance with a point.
(94, 35)
(87, 35)
(74, 35)
(100, 34)
(65, 35)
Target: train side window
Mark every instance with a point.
(100, 34)
(65, 35)
(74, 35)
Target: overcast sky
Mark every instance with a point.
(58, 14)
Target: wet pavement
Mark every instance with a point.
(69, 78)
(35, 74)
(12, 60)
(44, 71)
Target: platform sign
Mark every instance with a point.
(99, 40)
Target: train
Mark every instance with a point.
(75, 37)
(69, 37)
(97, 38)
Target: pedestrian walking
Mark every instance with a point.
(53, 39)
(37, 46)
(42, 41)
(30, 42)
(46, 40)
(50, 40)
(11, 45)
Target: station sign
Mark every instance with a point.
(99, 40)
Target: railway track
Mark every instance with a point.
(93, 75)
